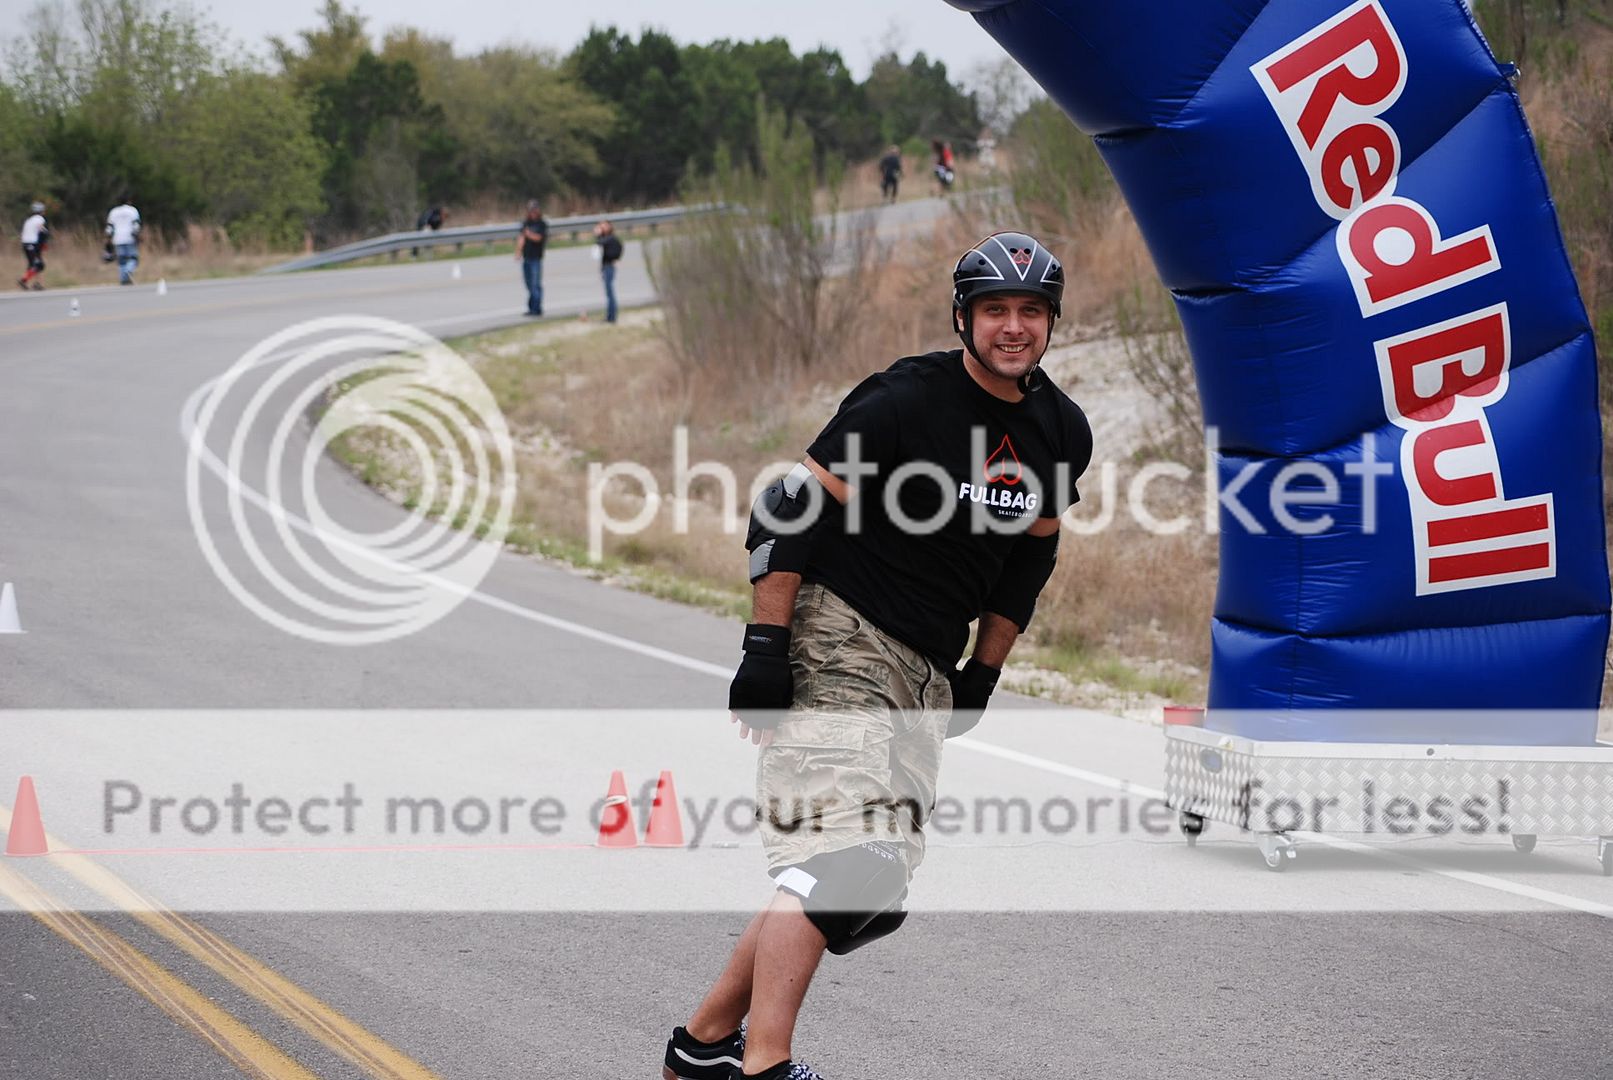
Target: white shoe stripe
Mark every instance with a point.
(720, 1060)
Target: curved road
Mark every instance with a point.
(1035, 952)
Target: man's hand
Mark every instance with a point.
(763, 686)
(971, 689)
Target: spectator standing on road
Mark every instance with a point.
(865, 587)
(35, 237)
(123, 229)
(610, 253)
(890, 173)
(529, 252)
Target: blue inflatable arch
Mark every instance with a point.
(1346, 202)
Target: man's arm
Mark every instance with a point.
(1015, 594)
(764, 675)
(997, 633)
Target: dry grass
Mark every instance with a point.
(74, 259)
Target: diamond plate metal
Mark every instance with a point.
(1385, 790)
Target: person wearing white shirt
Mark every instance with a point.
(123, 226)
(35, 235)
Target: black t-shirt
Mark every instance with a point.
(1004, 463)
(535, 234)
(610, 248)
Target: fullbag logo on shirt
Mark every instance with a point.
(1330, 89)
(1002, 467)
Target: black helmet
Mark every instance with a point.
(1005, 262)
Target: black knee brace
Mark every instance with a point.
(851, 895)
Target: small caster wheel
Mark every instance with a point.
(1192, 826)
(1276, 850)
(1523, 842)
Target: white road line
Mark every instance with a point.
(217, 467)
(187, 431)
(1484, 881)
(1046, 765)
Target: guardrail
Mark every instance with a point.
(457, 238)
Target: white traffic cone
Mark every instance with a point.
(72, 308)
(455, 273)
(162, 286)
(9, 622)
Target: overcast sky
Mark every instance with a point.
(860, 29)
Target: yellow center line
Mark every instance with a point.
(244, 1048)
(285, 998)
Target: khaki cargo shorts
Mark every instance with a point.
(856, 757)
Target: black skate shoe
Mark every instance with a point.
(689, 1059)
(784, 1070)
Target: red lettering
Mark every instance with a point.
(1425, 454)
(1485, 564)
(1428, 264)
(1484, 334)
(1327, 52)
(1487, 526)
(1371, 149)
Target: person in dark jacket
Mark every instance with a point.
(431, 218)
(610, 253)
(890, 173)
(529, 247)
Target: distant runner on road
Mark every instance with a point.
(123, 229)
(35, 237)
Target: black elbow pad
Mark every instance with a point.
(1023, 575)
(782, 521)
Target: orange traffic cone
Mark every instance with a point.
(27, 835)
(666, 823)
(616, 817)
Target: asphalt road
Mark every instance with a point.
(1106, 950)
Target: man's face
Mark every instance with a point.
(1010, 332)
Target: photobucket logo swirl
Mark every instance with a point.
(329, 381)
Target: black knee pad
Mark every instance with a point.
(845, 891)
(882, 925)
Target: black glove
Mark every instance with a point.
(971, 689)
(763, 686)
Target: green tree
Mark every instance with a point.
(327, 52)
(654, 136)
(917, 101)
(23, 178)
(725, 88)
(522, 127)
(816, 91)
(383, 145)
(243, 137)
(98, 86)
(92, 167)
